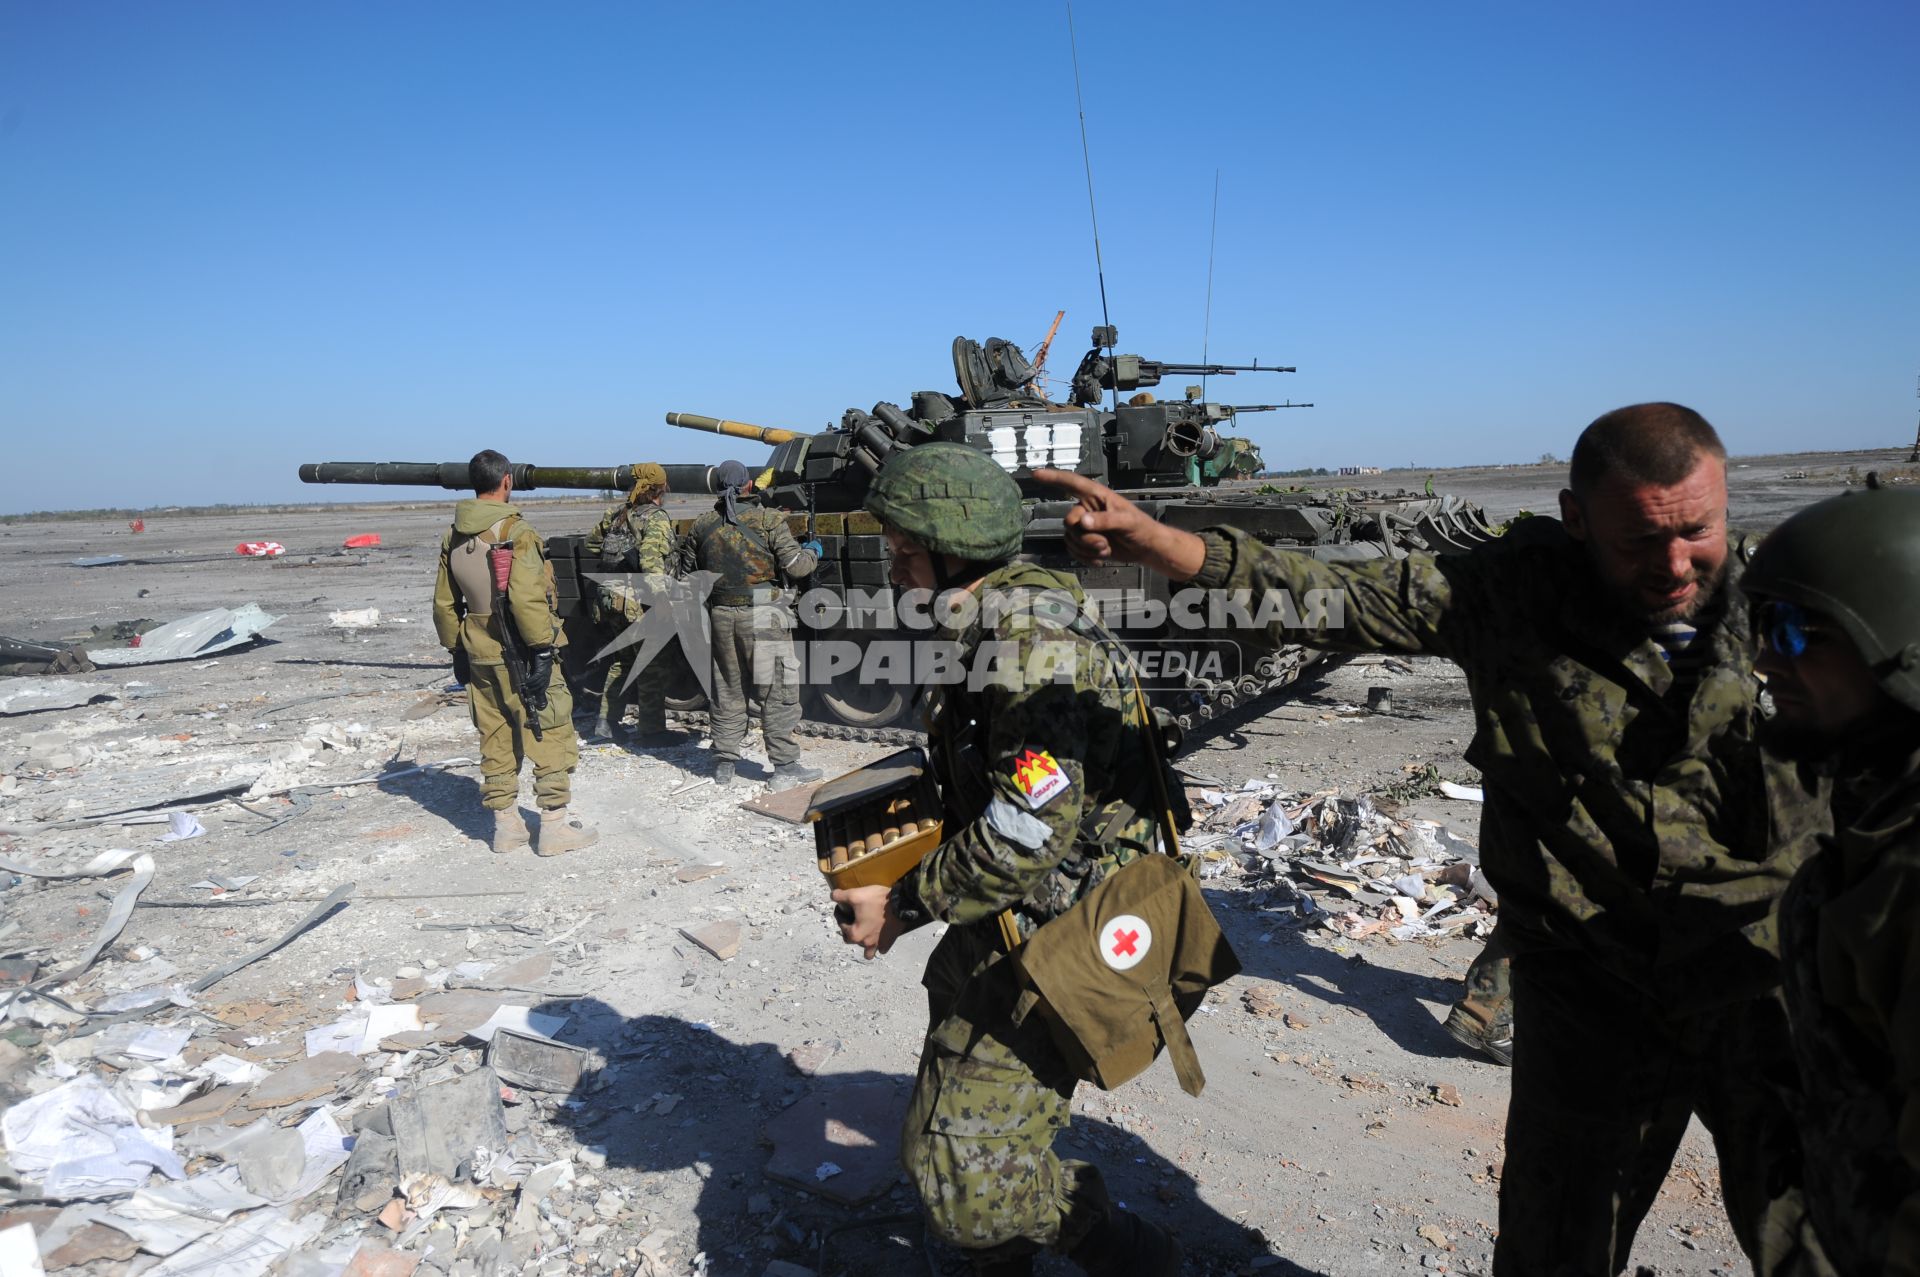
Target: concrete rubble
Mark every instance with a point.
(1339, 863)
(268, 1004)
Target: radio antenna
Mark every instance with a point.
(1206, 326)
(1093, 213)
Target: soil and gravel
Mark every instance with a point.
(1341, 1131)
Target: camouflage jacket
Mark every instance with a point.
(1851, 950)
(630, 538)
(530, 593)
(1044, 777)
(1644, 829)
(761, 554)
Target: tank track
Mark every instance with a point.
(1198, 707)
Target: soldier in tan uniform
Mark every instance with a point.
(1636, 836)
(468, 623)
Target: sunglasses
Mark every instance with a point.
(1787, 629)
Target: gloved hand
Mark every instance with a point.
(812, 546)
(539, 673)
(462, 667)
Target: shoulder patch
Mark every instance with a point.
(1022, 827)
(1039, 778)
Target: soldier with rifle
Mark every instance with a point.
(494, 612)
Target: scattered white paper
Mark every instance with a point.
(182, 825)
(171, 1215)
(231, 1070)
(20, 1253)
(1465, 793)
(342, 1035)
(326, 1148)
(160, 1043)
(247, 1247)
(386, 1019)
(80, 1139)
(522, 1019)
(825, 1171)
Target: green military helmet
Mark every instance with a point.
(1854, 558)
(950, 498)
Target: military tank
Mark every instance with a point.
(1173, 457)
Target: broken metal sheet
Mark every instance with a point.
(107, 862)
(30, 695)
(101, 561)
(189, 638)
(438, 1127)
(110, 928)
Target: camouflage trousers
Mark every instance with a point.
(988, 1102)
(1489, 985)
(1604, 1082)
(505, 741)
(648, 694)
(753, 650)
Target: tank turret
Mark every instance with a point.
(1177, 458)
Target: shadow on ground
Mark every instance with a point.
(1394, 1000)
(681, 1102)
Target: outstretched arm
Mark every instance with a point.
(1104, 525)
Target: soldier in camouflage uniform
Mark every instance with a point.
(635, 537)
(463, 618)
(751, 551)
(1636, 836)
(1838, 589)
(1047, 787)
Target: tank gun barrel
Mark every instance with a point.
(1157, 369)
(738, 429)
(1266, 407)
(456, 476)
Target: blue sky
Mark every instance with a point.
(235, 237)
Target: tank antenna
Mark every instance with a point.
(1206, 325)
(1093, 214)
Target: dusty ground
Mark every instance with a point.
(1316, 1149)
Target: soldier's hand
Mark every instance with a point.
(873, 926)
(1104, 525)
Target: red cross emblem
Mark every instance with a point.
(1123, 943)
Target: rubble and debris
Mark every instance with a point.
(536, 1062)
(260, 549)
(33, 695)
(361, 541)
(1409, 879)
(363, 618)
(219, 629)
(721, 939)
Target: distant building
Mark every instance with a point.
(1359, 469)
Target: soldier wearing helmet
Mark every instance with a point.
(1837, 589)
(1047, 790)
(1637, 836)
(634, 538)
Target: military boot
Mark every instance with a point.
(791, 775)
(1123, 1243)
(1488, 1032)
(661, 738)
(560, 833)
(509, 830)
